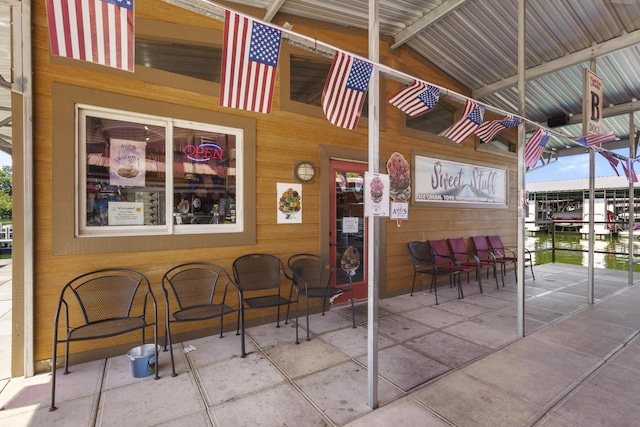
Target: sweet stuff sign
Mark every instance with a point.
(446, 181)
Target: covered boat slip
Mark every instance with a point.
(565, 203)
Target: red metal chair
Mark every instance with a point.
(509, 255)
(468, 257)
(444, 261)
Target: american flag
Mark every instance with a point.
(345, 90)
(612, 161)
(416, 99)
(488, 130)
(629, 172)
(99, 31)
(465, 127)
(535, 147)
(249, 60)
(588, 140)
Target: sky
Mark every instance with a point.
(5, 159)
(575, 167)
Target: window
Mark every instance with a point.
(125, 186)
(180, 57)
(434, 121)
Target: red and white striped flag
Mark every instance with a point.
(472, 117)
(588, 140)
(249, 61)
(488, 130)
(99, 31)
(416, 99)
(629, 172)
(535, 147)
(345, 90)
(612, 161)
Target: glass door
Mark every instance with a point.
(348, 227)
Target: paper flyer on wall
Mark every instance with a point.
(127, 163)
(376, 194)
(289, 203)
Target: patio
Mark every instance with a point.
(459, 363)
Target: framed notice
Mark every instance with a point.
(126, 213)
(440, 181)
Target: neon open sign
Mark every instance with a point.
(203, 152)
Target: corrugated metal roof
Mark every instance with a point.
(476, 44)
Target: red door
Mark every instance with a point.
(348, 227)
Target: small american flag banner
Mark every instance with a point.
(99, 31)
(535, 147)
(588, 140)
(471, 119)
(249, 61)
(629, 172)
(612, 161)
(488, 130)
(416, 99)
(345, 90)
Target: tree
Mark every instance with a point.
(6, 189)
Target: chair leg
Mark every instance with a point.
(353, 310)
(413, 284)
(288, 304)
(306, 300)
(434, 285)
(155, 345)
(241, 322)
(167, 337)
(479, 276)
(66, 358)
(297, 320)
(53, 375)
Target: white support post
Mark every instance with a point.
(521, 147)
(374, 221)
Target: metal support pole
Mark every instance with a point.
(632, 198)
(374, 221)
(521, 147)
(592, 208)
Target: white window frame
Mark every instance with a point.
(82, 111)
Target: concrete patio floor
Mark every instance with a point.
(460, 363)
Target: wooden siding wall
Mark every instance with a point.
(282, 137)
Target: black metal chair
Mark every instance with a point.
(259, 278)
(312, 277)
(196, 291)
(423, 263)
(102, 304)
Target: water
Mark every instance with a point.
(611, 261)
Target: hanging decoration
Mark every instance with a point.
(416, 99)
(249, 61)
(472, 117)
(399, 172)
(345, 90)
(98, 31)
